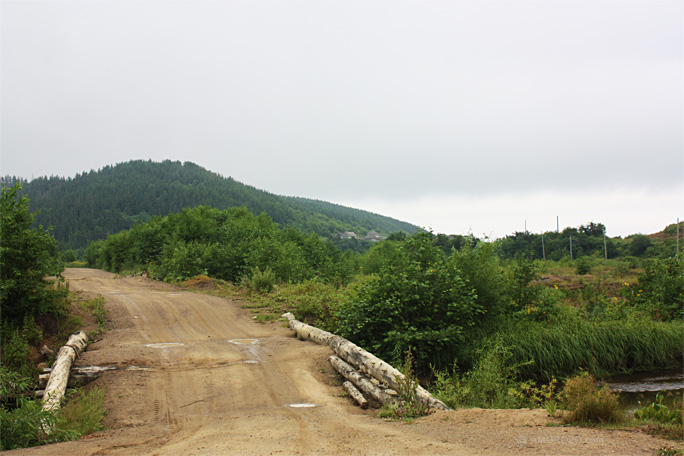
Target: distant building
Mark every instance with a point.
(374, 236)
(348, 235)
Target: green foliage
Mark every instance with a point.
(28, 255)
(21, 418)
(313, 302)
(587, 403)
(12, 384)
(523, 292)
(482, 268)
(660, 289)
(22, 426)
(660, 412)
(662, 420)
(225, 244)
(583, 265)
(410, 405)
(83, 412)
(96, 204)
(418, 300)
(492, 383)
(621, 268)
(97, 308)
(640, 243)
(15, 348)
(262, 281)
(563, 347)
(545, 395)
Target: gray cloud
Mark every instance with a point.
(342, 100)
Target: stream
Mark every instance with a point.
(638, 390)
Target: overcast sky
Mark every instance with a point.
(460, 116)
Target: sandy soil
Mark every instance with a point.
(198, 377)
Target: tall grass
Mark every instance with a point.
(562, 348)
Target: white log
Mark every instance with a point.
(56, 386)
(355, 394)
(360, 358)
(360, 381)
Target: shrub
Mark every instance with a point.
(583, 265)
(418, 300)
(22, 419)
(587, 403)
(661, 413)
(490, 384)
(621, 268)
(28, 255)
(262, 281)
(15, 348)
(410, 405)
(83, 412)
(660, 289)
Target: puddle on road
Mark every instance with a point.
(304, 405)
(243, 341)
(164, 345)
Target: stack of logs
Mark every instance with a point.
(352, 362)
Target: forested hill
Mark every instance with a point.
(97, 203)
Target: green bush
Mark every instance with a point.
(622, 268)
(261, 281)
(587, 403)
(83, 412)
(15, 349)
(658, 411)
(491, 383)
(28, 256)
(22, 419)
(410, 405)
(660, 289)
(583, 265)
(418, 300)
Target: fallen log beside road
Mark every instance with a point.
(59, 376)
(355, 394)
(359, 358)
(360, 381)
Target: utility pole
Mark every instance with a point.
(571, 247)
(677, 235)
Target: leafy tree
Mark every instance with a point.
(640, 243)
(27, 255)
(418, 300)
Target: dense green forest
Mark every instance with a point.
(94, 204)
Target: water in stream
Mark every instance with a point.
(637, 390)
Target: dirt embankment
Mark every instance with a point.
(198, 377)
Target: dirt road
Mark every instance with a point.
(198, 377)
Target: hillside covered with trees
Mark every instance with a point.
(94, 204)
